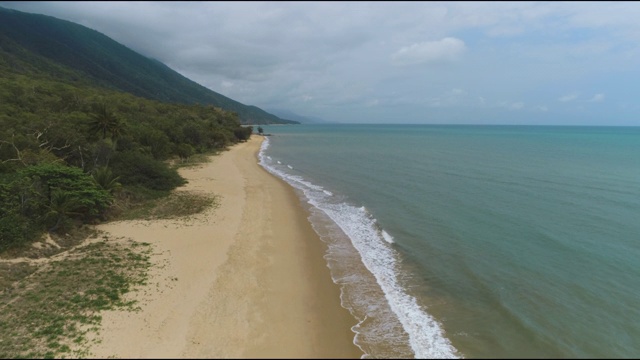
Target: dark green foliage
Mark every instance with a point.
(19, 205)
(64, 193)
(136, 168)
(105, 122)
(184, 151)
(31, 43)
(104, 179)
(154, 142)
(68, 180)
(16, 230)
(243, 133)
(47, 197)
(60, 210)
(220, 139)
(71, 146)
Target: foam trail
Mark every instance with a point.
(388, 238)
(426, 336)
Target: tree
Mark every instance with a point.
(260, 130)
(65, 191)
(138, 169)
(61, 209)
(17, 201)
(184, 151)
(104, 122)
(104, 178)
(243, 133)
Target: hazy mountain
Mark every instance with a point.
(39, 45)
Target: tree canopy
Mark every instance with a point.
(69, 151)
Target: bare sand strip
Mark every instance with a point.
(244, 280)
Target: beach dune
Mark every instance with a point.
(246, 279)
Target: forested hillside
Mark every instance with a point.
(31, 43)
(68, 153)
(89, 128)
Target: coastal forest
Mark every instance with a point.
(88, 126)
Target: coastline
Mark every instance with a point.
(246, 279)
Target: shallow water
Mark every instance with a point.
(475, 241)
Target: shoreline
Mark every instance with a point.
(245, 279)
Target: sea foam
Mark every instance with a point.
(426, 336)
(388, 238)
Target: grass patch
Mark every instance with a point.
(176, 205)
(47, 312)
(11, 273)
(73, 237)
(48, 308)
(195, 160)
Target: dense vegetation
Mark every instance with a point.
(70, 153)
(89, 128)
(71, 52)
(90, 131)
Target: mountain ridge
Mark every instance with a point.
(41, 44)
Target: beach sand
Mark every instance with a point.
(244, 280)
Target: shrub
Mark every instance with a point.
(62, 193)
(243, 133)
(16, 230)
(136, 168)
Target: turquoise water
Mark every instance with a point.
(476, 241)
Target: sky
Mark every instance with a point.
(547, 63)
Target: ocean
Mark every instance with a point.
(475, 241)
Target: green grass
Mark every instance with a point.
(10, 273)
(179, 204)
(47, 309)
(48, 312)
(196, 159)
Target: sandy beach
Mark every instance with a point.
(246, 279)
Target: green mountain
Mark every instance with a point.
(39, 45)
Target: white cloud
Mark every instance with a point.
(445, 50)
(350, 61)
(568, 97)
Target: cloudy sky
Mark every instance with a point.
(564, 63)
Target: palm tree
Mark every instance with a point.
(106, 122)
(61, 209)
(103, 177)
